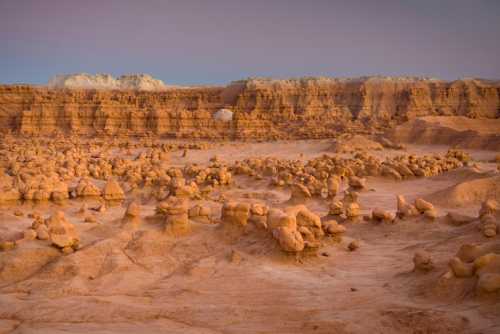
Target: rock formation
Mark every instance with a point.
(175, 211)
(106, 81)
(62, 233)
(262, 109)
(480, 261)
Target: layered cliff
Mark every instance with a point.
(262, 109)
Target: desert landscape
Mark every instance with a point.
(249, 167)
(309, 205)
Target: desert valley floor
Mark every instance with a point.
(299, 236)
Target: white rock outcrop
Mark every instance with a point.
(107, 81)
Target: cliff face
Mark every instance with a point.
(263, 109)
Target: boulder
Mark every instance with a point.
(381, 215)
(289, 239)
(422, 261)
(422, 205)
(404, 209)
(332, 227)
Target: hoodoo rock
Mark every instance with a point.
(61, 232)
(113, 191)
(133, 210)
(175, 211)
(86, 188)
(200, 213)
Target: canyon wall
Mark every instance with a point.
(263, 109)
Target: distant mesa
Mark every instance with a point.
(107, 81)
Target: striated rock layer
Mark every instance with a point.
(262, 109)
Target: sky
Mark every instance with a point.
(217, 41)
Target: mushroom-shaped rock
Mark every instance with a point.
(42, 232)
(62, 233)
(86, 188)
(60, 191)
(133, 210)
(131, 218)
(176, 215)
(113, 191)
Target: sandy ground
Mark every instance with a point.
(130, 281)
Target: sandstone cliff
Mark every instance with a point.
(263, 109)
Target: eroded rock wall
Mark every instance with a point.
(263, 109)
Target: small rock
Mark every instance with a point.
(353, 245)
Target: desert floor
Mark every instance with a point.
(140, 279)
